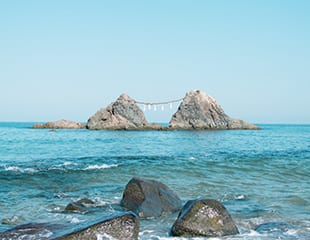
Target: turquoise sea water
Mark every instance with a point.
(262, 177)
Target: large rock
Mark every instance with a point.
(60, 124)
(123, 226)
(149, 198)
(198, 110)
(123, 114)
(208, 218)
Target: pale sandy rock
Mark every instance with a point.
(198, 110)
(123, 114)
(60, 124)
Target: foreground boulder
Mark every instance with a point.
(201, 111)
(123, 226)
(207, 218)
(149, 198)
(60, 124)
(123, 114)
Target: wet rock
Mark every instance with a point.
(198, 110)
(149, 198)
(123, 226)
(75, 208)
(38, 231)
(60, 124)
(81, 206)
(123, 114)
(207, 217)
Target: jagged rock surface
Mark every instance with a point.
(149, 198)
(124, 113)
(60, 124)
(206, 217)
(198, 110)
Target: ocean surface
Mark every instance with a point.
(262, 177)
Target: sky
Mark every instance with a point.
(67, 59)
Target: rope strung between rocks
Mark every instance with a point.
(159, 103)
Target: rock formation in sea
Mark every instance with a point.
(206, 217)
(124, 113)
(200, 111)
(60, 124)
(122, 226)
(149, 198)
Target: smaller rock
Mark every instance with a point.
(80, 206)
(123, 114)
(60, 124)
(207, 218)
(75, 208)
(149, 198)
(122, 226)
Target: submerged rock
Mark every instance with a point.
(76, 208)
(123, 226)
(149, 198)
(38, 231)
(123, 114)
(198, 110)
(208, 218)
(80, 206)
(60, 124)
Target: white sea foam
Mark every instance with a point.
(103, 166)
(105, 237)
(19, 170)
(240, 197)
(75, 220)
(12, 169)
(291, 232)
(68, 163)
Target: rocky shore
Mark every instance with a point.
(197, 111)
(142, 198)
(60, 124)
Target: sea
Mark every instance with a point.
(262, 177)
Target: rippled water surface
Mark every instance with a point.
(262, 177)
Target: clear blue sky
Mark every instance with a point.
(66, 59)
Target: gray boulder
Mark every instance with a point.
(207, 218)
(123, 226)
(149, 198)
(60, 124)
(123, 114)
(198, 110)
